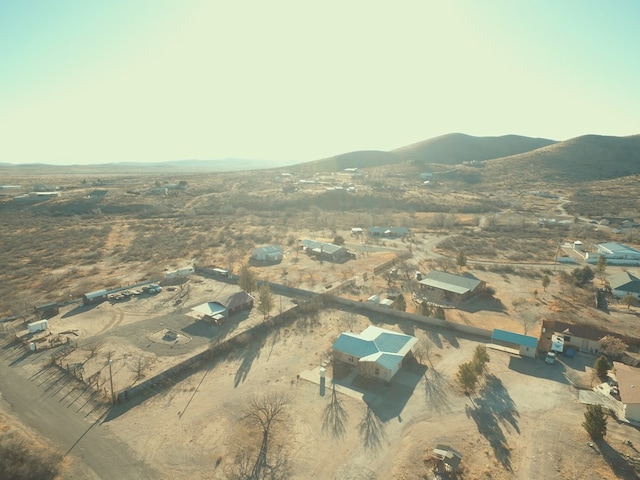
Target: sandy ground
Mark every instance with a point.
(523, 422)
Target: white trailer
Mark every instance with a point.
(38, 326)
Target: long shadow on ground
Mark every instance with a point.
(492, 410)
(335, 416)
(622, 467)
(437, 389)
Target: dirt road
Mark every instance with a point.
(46, 402)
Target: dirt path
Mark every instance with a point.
(47, 403)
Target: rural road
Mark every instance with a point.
(54, 415)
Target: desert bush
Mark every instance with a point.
(20, 459)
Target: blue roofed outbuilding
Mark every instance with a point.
(526, 345)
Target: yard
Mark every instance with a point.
(523, 422)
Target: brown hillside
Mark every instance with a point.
(450, 149)
(457, 148)
(580, 159)
(358, 159)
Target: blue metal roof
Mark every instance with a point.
(391, 342)
(389, 361)
(354, 346)
(517, 338)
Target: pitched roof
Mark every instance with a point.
(626, 282)
(321, 247)
(628, 382)
(375, 344)
(269, 249)
(209, 308)
(236, 299)
(459, 284)
(580, 331)
(517, 338)
(618, 248)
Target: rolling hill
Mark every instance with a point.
(580, 159)
(451, 149)
(455, 148)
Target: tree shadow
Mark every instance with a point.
(434, 336)
(437, 389)
(372, 431)
(493, 409)
(453, 341)
(335, 416)
(620, 464)
(250, 355)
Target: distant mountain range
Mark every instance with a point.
(224, 165)
(511, 158)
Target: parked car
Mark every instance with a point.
(550, 358)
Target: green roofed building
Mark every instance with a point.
(375, 352)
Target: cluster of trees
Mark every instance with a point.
(249, 283)
(470, 373)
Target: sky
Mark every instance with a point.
(86, 82)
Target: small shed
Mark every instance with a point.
(387, 303)
(46, 310)
(373, 299)
(449, 457)
(270, 253)
(38, 326)
(94, 297)
(577, 245)
(526, 345)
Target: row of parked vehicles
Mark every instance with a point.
(151, 288)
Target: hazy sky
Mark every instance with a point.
(85, 81)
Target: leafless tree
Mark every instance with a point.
(445, 264)
(263, 413)
(93, 348)
(139, 366)
(422, 350)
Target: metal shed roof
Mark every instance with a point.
(618, 248)
(268, 249)
(449, 282)
(517, 338)
(321, 247)
(376, 344)
(626, 282)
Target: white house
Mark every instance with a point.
(629, 387)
